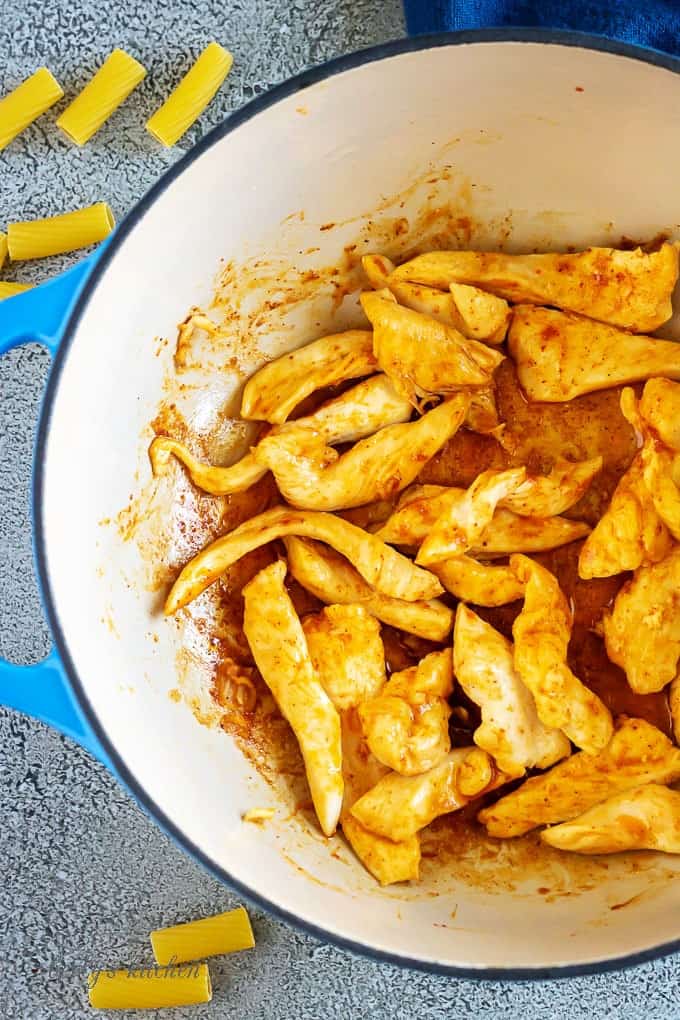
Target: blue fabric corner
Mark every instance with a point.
(652, 23)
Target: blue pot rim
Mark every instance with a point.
(231, 123)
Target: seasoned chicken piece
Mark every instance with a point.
(358, 412)
(627, 288)
(642, 633)
(646, 818)
(332, 579)
(478, 314)
(462, 524)
(660, 408)
(347, 653)
(312, 476)
(674, 705)
(422, 356)
(482, 415)
(421, 505)
(637, 753)
(511, 731)
(541, 632)
(399, 806)
(480, 583)
(473, 312)
(661, 474)
(387, 861)
(407, 724)
(279, 648)
(629, 533)
(560, 355)
(552, 494)
(385, 569)
(273, 392)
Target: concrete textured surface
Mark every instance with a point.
(85, 874)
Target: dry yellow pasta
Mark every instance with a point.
(211, 936)
(3, 249)
(34, 239)
(192, 95)
(21, 107)
(112, 84)
(10, 289)
(149, 988)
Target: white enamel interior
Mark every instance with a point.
(575, 167)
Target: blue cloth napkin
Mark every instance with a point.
(654, 23)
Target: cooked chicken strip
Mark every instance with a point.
(422, 356)
(407, 724)
(347, 653)
(273, 392)
(385, 569)
(482, 415)
(311, 475)
(629, 533)
(646, 818)
(511, 731)
(560, 355)
(421, 505)
(473, 312)
(637, 753)
(660, 408)
(462, 524)
(552, 494)
(478, 314)
(332, 579)
(400, 806)
(642, 632)
(387, 861)
(541, 632)
(278, 644)
(358, 412)
(631, 289)
(483, 584)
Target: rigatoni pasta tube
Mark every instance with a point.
(211, 936)
(149, 988)
(112, 84)
(10, 289)
(192, 95)
(21, 107)
(34, 239)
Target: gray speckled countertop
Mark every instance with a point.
(85, 875)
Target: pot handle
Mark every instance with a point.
(42, 689)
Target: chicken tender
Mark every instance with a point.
(347, 653)
(407, 724)
(311, 475)
(279, 648)
(642, 633)
(276, 390)
(464, 521)
(475, 313)
(541, 632)
(511, 731)
(660, 408)
(483, 584)
(400, 806)
(424, 357)
(334, 580)
(559, 355)
(631, 289)
(638, 753)
(382, 567)
(645, 818)
(359, 412)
